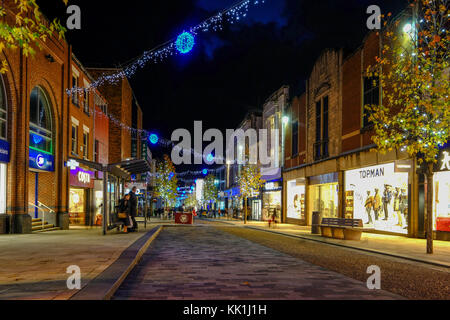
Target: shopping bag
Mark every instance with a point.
(122, 215)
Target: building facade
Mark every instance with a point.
(331, 167)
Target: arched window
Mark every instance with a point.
(3, 111)
(41, 137)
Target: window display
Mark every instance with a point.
(441, 203)
(77, 215)
(379, 196)
(295, 200)
(271, 204)
(325, 199)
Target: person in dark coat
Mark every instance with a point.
(124, 206)
(133, 208)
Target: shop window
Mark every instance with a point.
(378, 196)
(441, 201)
(41, 134)
(295, 139)
(295, 200)
(3, 111)
(74, 139)
(371, 97)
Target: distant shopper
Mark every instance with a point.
(133, 208)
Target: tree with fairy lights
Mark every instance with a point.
(26, 29)
(413, 71)
(166, 182)
(210, 190)
(250, 183)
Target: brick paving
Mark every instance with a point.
(205, 263)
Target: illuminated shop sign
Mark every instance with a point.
(81, 178)
(41, 161)
(371, 173)
(4, 151)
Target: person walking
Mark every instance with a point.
(133, 208)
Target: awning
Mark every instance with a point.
(127, 168)
(123, 169)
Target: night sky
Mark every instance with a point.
(228, 72)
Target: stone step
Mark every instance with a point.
(47, 230)
(40, 227)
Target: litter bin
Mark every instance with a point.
(315, 229)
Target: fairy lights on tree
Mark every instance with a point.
(413, 71)
(210, 190)
(250, 183)
(166, 181)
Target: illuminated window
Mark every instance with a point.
(41, 134)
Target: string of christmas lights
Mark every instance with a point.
(181, 45)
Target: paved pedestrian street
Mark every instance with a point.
(203, 262)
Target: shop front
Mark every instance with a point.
(323, 196)
(296, 201)
(379, 196)
(271, 200)
(441, 196)
(4, 160)
(80, 194)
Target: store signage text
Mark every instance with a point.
(84, 177)
(41, 161)
(446, 161)
(371, 173)
(81, 178)
(4, 151)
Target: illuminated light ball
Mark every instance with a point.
(408, 28)
(185, 42)
(37, 139)
(171, 175)
(210, 158)
(153, 139)
(205, 171)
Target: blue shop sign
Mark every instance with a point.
(41, 161)
(4, 151)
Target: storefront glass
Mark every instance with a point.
(325, 199)
(441, 203)
(77, 206)
(296, 200)
(271, 205)
(379, 196)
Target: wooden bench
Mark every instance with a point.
(339, 228)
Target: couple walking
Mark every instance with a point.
(128, 211)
